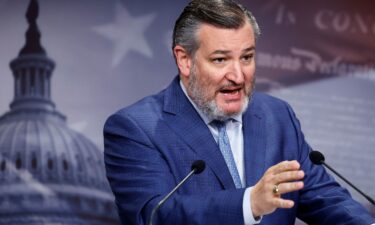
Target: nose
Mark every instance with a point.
(235, 73)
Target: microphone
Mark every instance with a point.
(317, 158)
(196, 168)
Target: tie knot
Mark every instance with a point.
(218, 123)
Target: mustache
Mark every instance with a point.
(231, 85)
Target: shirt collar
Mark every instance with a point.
(237, 118)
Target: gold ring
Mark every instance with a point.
(275, 189)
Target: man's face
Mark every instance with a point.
(221, 77)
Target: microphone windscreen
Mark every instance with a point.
(316, 157)
(198, 166)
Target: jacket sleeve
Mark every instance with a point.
(140, 178)
(323, 201)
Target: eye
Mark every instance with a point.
(218, 60)
(248, 57)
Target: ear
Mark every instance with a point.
(183, 60)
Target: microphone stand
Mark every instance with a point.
(196, 168)
(348, 182)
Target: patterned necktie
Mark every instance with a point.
(226, 151)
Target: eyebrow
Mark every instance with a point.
(252, 48)
(224, 52)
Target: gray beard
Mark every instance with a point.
(210, 108)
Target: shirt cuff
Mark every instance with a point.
(246, 208)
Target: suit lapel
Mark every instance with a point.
(254, 131)
(183, 119)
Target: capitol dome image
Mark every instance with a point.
(49, 174)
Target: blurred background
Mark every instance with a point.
(96, 57)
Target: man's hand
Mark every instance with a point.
(277, 180)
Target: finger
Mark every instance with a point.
(290, 187)
(285, 166)
(283, 203)
(288, 176)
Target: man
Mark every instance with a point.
(257, 166)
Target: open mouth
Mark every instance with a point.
(230, 91)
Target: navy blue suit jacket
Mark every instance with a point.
(150, 146)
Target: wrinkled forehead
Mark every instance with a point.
(212, 38)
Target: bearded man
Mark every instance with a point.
(257, 166)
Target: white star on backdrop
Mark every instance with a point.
(127, 33)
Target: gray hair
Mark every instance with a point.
(219, 13)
